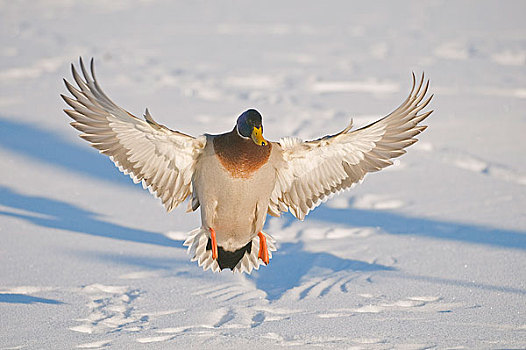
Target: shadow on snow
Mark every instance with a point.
(49, 147)
(57, 214)
(290, 264)
(398, 224)
(25, 299)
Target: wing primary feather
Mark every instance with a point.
(162, 159)
(316, 170)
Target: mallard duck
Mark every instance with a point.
(238, 177)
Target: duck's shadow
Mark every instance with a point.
(291, 264)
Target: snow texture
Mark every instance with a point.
(429, 253)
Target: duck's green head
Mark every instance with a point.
(249, 125)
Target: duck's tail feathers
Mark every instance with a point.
(200, 251)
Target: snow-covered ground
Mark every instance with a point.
(430, 253)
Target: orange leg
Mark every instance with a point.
(214, 243)
(263, 250)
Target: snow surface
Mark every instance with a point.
(430, 253)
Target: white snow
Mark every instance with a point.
(430, 253)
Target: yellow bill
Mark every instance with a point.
(257, 137)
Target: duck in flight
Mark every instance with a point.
(238, 177)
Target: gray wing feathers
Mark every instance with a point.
(162, 159)
(315, 170)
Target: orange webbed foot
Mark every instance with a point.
(263, 249)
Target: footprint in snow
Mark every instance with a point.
(228, 292)
(110, 309)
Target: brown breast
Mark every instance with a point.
(239, 156)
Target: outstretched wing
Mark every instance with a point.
(161, 158)
(314, 170)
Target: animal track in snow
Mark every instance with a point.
(231, 310)
(110, 310)
(237, 291)
(257, 319)
(225, 316)
(321, 286)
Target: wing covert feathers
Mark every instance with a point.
(162, 159)
(315, 170)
